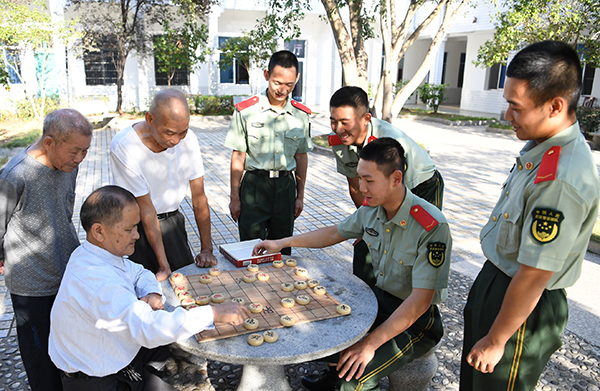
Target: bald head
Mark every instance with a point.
(170, 104)
(63, 123)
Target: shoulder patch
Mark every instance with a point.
(334, 139)
(545, 224)
(423, 217)
(247, 103)
(548, 166)
(300, 106)
(436, 253)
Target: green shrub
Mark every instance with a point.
(6, 114)
(589, 118)
(432, 95)
(211, 104)
(25, 112)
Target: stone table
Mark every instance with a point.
(264, 365)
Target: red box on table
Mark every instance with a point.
(240, 254)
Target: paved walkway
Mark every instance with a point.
(474, 165)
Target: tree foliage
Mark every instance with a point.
(28, 26)
(123, 26)
(4, 76)
(181, 48)
(576, 22)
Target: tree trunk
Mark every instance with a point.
(358, 45)
(343, 42)
(406, 92)
(387, 97)
(120, 66)
(170, 77)
(396, 44)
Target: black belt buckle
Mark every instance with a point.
(74, 375)
(270, 173)
(163, 216)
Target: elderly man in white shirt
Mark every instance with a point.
(158, 159)
(108, 322)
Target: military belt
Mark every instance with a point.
(270, 173)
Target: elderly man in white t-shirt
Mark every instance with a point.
(157, 159)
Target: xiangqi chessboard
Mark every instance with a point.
(268, 293)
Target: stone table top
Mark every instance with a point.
(302, 342)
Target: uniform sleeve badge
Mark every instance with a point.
(436, 253)
(545, 225)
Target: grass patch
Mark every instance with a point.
(21, 139)
(498, 125)
(321, 141)
(3, 161)
(450, 117)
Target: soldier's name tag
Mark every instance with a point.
(371, 231)
(436, 253)
(257, 124)
(545, 224)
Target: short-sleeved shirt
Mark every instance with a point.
(269, 136)
(405, 254)
(420, 167)
(546, 225)
(165, 175)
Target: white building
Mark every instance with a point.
(470, 88)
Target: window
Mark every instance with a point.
(496, 76)
(181, 77)
(13, 61)
(296, 46)
(461, 70)
(100, 67)
(400, 75)
(444, 67)
(588, 79)
(235, 74)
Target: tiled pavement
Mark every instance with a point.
(474, 164)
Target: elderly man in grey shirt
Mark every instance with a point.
(37, 236)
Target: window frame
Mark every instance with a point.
(180, 78)
(237, 70)
(103, 61)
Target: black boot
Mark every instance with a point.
(327, 381)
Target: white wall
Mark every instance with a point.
(454, 47)
(474, 95)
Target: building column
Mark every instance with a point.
(437, 67)
(213, 39)
(60, 55)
